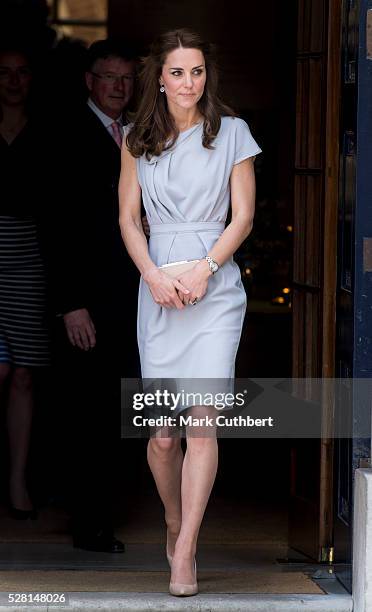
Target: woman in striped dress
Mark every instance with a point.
(24, 339)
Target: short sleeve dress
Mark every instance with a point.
(186, 195)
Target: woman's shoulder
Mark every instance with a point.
(232, 130)
(238, 138)
(233, 123)
(127, 127)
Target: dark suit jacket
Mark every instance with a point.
(92, 267)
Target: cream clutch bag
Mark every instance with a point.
(177, 268)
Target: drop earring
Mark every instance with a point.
(162, 88)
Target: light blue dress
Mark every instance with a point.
(186, 195)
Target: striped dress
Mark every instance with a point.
(24, 338)
(24, 334)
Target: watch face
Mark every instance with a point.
(213, 265)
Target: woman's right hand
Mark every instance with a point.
(164, 289)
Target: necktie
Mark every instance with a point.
(116, 132)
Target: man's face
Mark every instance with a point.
(110, 83)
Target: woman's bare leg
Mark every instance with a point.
(19, 417)
(198, 476)
(165, 458)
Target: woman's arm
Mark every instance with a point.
(243, 194)
(130, 214)
(163, 289)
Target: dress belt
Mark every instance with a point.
(180, 228)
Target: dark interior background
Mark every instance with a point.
(256, 49)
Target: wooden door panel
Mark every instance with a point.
(307, 230)
(314, 269)
(313, 326)
(306, 330)
(310, 27)
(309, 113)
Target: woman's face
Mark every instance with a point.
(15, 79)
(183, 77)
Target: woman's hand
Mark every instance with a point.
(80, 329)
(196, 280)
(166, 291)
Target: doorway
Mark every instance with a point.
(274, 60)
(280, 71)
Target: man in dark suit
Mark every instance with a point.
(96, 287)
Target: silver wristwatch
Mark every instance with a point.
(213, 265)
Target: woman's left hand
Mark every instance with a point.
(196, 281)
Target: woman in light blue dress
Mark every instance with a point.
(189, 158)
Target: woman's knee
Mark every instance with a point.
(164, 446)
(22, 379)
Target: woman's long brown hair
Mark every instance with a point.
(153, 128)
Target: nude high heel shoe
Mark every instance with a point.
(169, 556)
(184, 590)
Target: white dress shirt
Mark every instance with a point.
(105, 119)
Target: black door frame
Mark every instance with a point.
(354, 308)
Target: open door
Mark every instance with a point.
(354, 295)
(315, 266)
